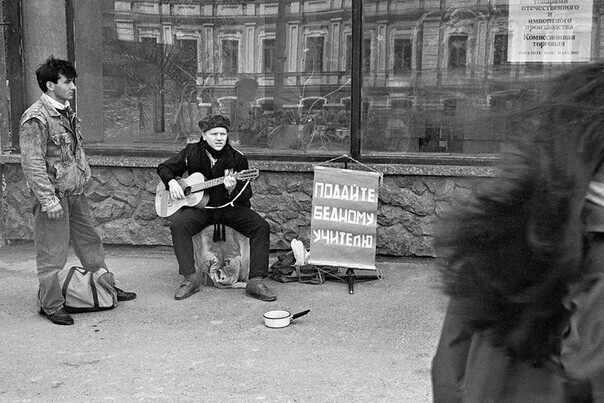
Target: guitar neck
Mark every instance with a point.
(207, 184)
(198, 187)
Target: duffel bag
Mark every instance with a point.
(87, 290)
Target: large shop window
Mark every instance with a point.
(432, 75)
(439, 76)
(277, 69)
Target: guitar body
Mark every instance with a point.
(193, 187)
(165, 205)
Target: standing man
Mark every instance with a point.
(56, 170)
(229, 204)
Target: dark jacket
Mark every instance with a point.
(194, 158)
(473, 365)
(467, 368)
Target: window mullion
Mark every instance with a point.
(356, 79)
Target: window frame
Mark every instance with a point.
(234, 64)
(347, 64)
(271, 55)
(309, 67)
(12, 28)
(463, 60)
(501, 56)
(407, 44)
(193, 37)
(367, 62)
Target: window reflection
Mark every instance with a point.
(431, 71)
(437, 75)
(401, 58)
(268, 59)
(277, 69)
(458, 51)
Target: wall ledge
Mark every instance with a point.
(289, 166)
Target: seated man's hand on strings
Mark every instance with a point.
(176, 191)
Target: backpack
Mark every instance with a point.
(284, 270)
(87, 290)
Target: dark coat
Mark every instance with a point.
(194, 158)
(523, 260)
(468, 368)
(473, 365)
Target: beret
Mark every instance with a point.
(211, 122)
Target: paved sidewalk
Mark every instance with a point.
(373, 346)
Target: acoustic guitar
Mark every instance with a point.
(193, 187)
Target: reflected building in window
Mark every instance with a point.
(429, 68)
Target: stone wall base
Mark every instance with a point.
(122, 202)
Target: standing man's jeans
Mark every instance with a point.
(51, 238)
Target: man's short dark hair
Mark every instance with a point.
(50, 70)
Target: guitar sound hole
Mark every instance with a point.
(187, 191)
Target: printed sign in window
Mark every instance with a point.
(550, 31)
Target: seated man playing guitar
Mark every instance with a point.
(228, 204)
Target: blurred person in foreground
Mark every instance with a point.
(229, 204)
(56, 170)
(523, 261)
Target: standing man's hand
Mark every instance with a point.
(55, 212)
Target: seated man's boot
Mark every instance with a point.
(186, 289)
(256, 289)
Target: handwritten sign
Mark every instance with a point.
(555, 31)
(344, 218)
